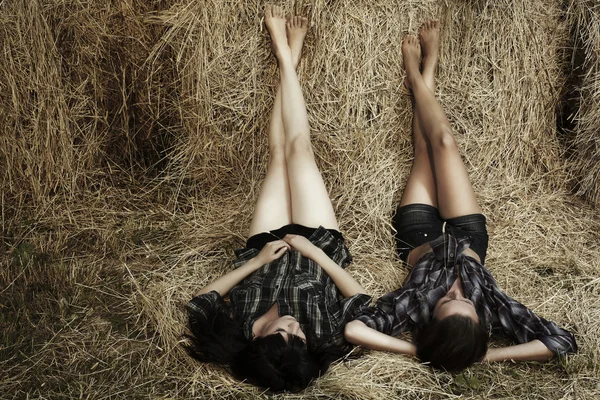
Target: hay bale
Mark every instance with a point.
(76, 101)
(584, 16)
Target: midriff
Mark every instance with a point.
(418, 252)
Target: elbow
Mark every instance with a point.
(206, 290)
(352, 331)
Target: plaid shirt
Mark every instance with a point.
(431, 278)
(298, 285)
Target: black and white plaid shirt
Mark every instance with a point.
(431, 278)
(298, 285)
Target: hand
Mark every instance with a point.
(272, 251)
(490, 355)
(301, 244)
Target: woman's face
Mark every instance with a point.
(454, 303)
(286, 325)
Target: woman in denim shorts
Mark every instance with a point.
(449, 299)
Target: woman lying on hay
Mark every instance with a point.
(449, 300)
(284, 323)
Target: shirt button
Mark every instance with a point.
(451, 254)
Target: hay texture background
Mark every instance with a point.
(133, 144)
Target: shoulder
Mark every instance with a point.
(205, 302)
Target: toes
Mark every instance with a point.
(268, 11)
(304, 22)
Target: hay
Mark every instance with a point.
(585, 158)
(132, 149)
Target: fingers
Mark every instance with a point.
(289, 238)
(278, 245)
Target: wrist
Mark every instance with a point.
(256, 262)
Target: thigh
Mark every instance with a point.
(311, 205)
(454, 191)
(273, 207)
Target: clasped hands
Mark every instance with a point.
(274, 250)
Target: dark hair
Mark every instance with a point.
(270, 362)
(453, 343)
(277, 364)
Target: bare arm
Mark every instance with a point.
(531, 351)
(358, 333)
(271, 252)
(342, 279)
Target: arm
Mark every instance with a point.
(342, 279)
(360, 334)
(271, 252)
(531, 351)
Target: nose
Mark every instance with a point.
(295, 327)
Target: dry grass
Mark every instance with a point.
(133, 144)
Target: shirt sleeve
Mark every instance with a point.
(353, 305)
(384, 316)
(200, 308)
(521, 324)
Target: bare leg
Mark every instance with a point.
(454, 191)
(274, 207)
(420, 186)
(311, 205)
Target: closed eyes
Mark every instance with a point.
(466, 301)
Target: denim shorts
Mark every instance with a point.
(416, 224)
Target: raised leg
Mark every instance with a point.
(420, 186)
(311, 205)
(454, 191)
(274, 206)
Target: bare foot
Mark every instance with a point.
(297, 26)
(275, 21)
(429, 36)
(412, 54)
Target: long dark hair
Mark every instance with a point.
(270, 362)
(453, 343)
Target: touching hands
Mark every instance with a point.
(272, 251)
(302, 245)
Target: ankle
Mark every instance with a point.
(284, 55)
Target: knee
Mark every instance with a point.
(276, 154)
(298, 146)
(420, 148)
(443, 138)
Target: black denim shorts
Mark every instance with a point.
(416, 224)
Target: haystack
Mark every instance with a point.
(104, 245)
(585, 156)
